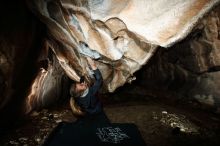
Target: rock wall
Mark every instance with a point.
(126, 42)
(50, 85)
(35, 67)
(125, 33)
(190, 68)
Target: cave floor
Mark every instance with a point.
(159, 124)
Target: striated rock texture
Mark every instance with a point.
(126, 33)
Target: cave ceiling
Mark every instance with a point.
(124, 34)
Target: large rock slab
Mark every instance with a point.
(125, 33)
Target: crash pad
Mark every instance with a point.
(108, 134)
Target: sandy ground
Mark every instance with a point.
(160, 124)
